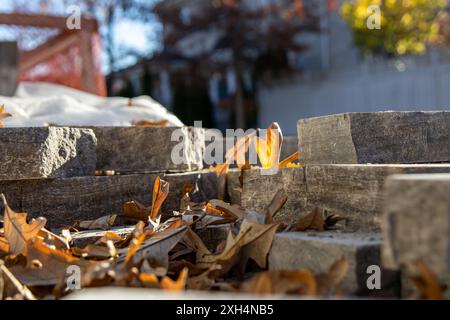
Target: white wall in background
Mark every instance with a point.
(364, 88)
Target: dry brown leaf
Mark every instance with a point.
(178, 285)
(256, 243)
(288, 161)
(332, 219)
(102, 223)
(328, 282)
(160, 192)
(235, 211)
(220, 168)
(235, 153)
(144, 123)
(47, 265)
(427, 283)
(301, 282)
(275, 205)
(4, 245)
(155, 249)
(94, 251)
(3, 115)
(136, 211)
(269, 149)
(17, 231)
(21, 289)
(312, 221)
(149, 280)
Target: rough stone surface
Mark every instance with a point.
(379, 137)
(289, 146)
(149, 149)
(259, 189)
(47, 152)
(356, 191)
(318, 251)
(65, 201)
(233, 186)
(416, 221)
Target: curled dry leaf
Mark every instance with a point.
(178, 285)
(134, 210)
(17, 231)
(235, 153)
(47, 265)
(301, 282)
(235, 211)
(103, 223)
(329, 281)
(144, 123)
(312, 221)
(160, 192)
(3, 115)
(21, 289)
(288, 161)
(269, 149)
(156, 248)
(427, 282)
(275, 205)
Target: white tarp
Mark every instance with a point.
(41, 104)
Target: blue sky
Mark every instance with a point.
(127, 33)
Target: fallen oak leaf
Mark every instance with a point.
(4, 245)
(16, 229)
(22, 289)
(278, 201)
(427, 282)
(330, 280)
(134, 210)
(3, 115)
(282, 282)
(149, 280)
(235, 211)
(286, 162)
(160, 192)
(156, 248)
(312, 221)
(178, 285)
(144, 123)
(269, 149)
(256, 244)
(47, 265)
(103, 223)
(235, 153)
(331, 220)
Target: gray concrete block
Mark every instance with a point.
(356, 191)
(46, 152)
(317, 251)
(65, 201)
(378, 137)
(259, 189)
(416, 221)
(149, 149)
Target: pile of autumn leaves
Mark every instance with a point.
(158, 251)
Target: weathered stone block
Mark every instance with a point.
(150, 149)
(318, 251)
(356, 191)
(47, 152)
(289, 146)
(416, 221)
(378, 137)
(259, 189)
(65, 201)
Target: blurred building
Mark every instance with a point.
(330, 76)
